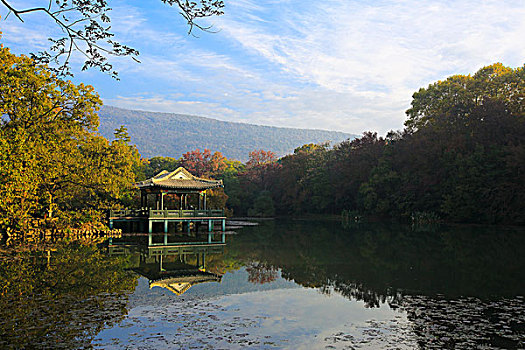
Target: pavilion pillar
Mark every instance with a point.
(150, 239)
(150, 226)
(166, 238)
(204, 200)
(223, 225)
(162, 201)
(165, 226)
(185, 201)
(143, 199)
(210, 225)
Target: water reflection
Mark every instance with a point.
(460, 287)
(285, 284)
(176, 264)
(375, 262)
(60, 300)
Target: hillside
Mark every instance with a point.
(169, 134)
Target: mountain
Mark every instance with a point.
(169, 134)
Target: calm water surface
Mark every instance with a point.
(297, 284)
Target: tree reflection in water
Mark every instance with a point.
(377, 263)
(461, 286)
(261, 273)
(61, 302)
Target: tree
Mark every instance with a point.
(259, 158)
(351, 165)
(260, 273)
(155, 165)
(263, 205)
(53, 163)
(302, 181)
(454, 99)
(204, 163)
(86, 29)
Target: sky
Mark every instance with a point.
(349, 66)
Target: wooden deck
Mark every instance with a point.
(148, 217)
(130, 214)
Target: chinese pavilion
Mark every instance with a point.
(189, 208)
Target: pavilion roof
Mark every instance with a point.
(180, 283)
(179, 179)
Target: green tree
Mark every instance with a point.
(263, 205)
(454, 99)
(155, 165)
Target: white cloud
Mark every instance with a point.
(378, 54)
(345, 65)
(170, 105)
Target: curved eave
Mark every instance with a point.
(174, 187)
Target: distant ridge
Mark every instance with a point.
(170, 134)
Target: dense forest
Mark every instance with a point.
(460, 158)
(170, 134)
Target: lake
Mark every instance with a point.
(297, 284)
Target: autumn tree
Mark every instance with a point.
(204, 163)
(259, 168)
(53, 162)
(255, 182)
(259, 158)
(209, 165)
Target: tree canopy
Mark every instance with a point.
(457, 97)
(54, 165)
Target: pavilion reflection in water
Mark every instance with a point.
(176, 263)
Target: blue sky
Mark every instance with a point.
(338, 65)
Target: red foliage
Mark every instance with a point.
(260, 157)
(204, 163)
(260, 170)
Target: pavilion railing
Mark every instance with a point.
(166, 213)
